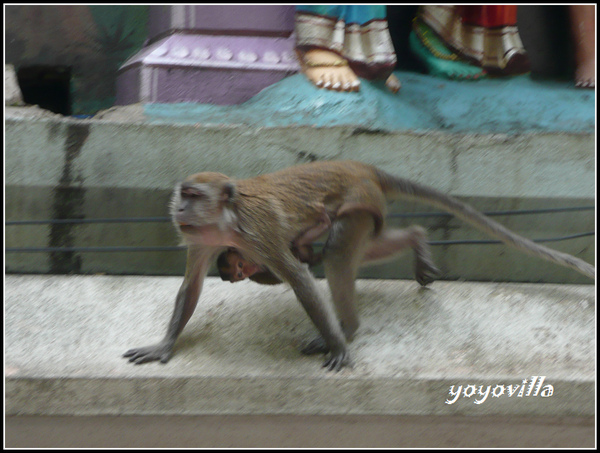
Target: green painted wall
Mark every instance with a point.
(93, 41)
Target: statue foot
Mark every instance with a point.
(585, 75)
(583, 26)
(441, 61)
(393, 84)
(326, 69)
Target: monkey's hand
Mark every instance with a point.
(160, 351)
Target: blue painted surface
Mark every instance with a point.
(513, 105)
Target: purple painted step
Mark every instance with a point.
(210, 54)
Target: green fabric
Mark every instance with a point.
(439, 67)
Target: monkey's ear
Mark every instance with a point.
(227, 191)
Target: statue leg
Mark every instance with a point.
(469, 42)
(338, 44)
(583, 25)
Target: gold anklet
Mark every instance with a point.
(333, 64)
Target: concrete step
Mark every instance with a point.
(239, 354)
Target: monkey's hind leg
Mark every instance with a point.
(392, 242)
(425, 271)
(342, 256)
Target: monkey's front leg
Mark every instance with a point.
(185, 303)
(320, 311)
(198, 262)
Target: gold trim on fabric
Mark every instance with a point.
(491, 47)
(369, 44)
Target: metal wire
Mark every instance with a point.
(127, 249)
(100, 249)
(401, 215)
(92, 221)
(488, 241)
(495, 213)
(180, 248)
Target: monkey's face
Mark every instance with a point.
(235, 268)
(199, 207)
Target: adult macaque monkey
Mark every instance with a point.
(262, 216)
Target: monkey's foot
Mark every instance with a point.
(585, 75)
(152, 353)
(338, 360)
(426, 272)
(326, 69)
(439, 60)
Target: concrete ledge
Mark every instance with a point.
(104, 168)
(239, 354)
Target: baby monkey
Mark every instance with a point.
(233, 267)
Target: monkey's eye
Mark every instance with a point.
(191, 192)
(239, 275)
(240, 265)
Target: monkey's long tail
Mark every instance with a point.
(392, 185)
